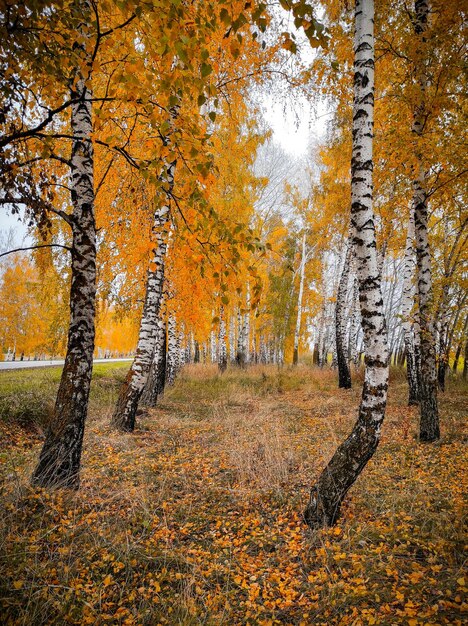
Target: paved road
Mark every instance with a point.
(15, 365)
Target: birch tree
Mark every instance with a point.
(172, 350)
(407, 307)
(429, 413)
(132, 388)
(157, 373)
(344, 373)
(60, 457)
(297, 331)
(353, 454)
(222, 348)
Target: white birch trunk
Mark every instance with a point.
(246, 328)
(232, 338)
(354, 453)
(181, 349)
(354, 325)
(213, 346)
(60, 457)
(240, 355)
(222, 349)
(156, 377)
(171, 350)
(297, 332)
(429, 429)
(407, 308)
(132, 388)
(344, 374)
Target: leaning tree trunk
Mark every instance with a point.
(132, 388)
(157, 374)
(60, 457)
(407, 306)
(297, 332)
(429, 421)
(222, 349)
(354, 453)
(344, 373)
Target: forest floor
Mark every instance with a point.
(196, 517)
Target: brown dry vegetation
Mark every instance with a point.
(196, 517)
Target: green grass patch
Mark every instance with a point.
(27, 396)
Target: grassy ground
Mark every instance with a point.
(196, 517)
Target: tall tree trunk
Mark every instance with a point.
(354, 325)
(171, 350)
(156, 376)
(181, 348)
(132, 388)
(297, 332)
(246, 328)
(320, 337)
(407, 306)
(429, 414)
(240, 354)
(354, 453)
(344, 373)
(232, 338)
(60, 457)
(213, 346)
(222, 349)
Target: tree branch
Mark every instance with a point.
(45, 245)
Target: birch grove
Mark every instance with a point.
(169, 230)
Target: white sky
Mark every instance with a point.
(295, 130)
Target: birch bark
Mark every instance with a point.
(246, 329)
(232, 338)
(344, 373)
(222, 349)
(353, 454)
(429, 429)
(156, 376)
(297, 331)
(407, 306)
(354, 325)
(171, 350)
(132, 388)
(60, 457)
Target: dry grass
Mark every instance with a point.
(196, 517)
